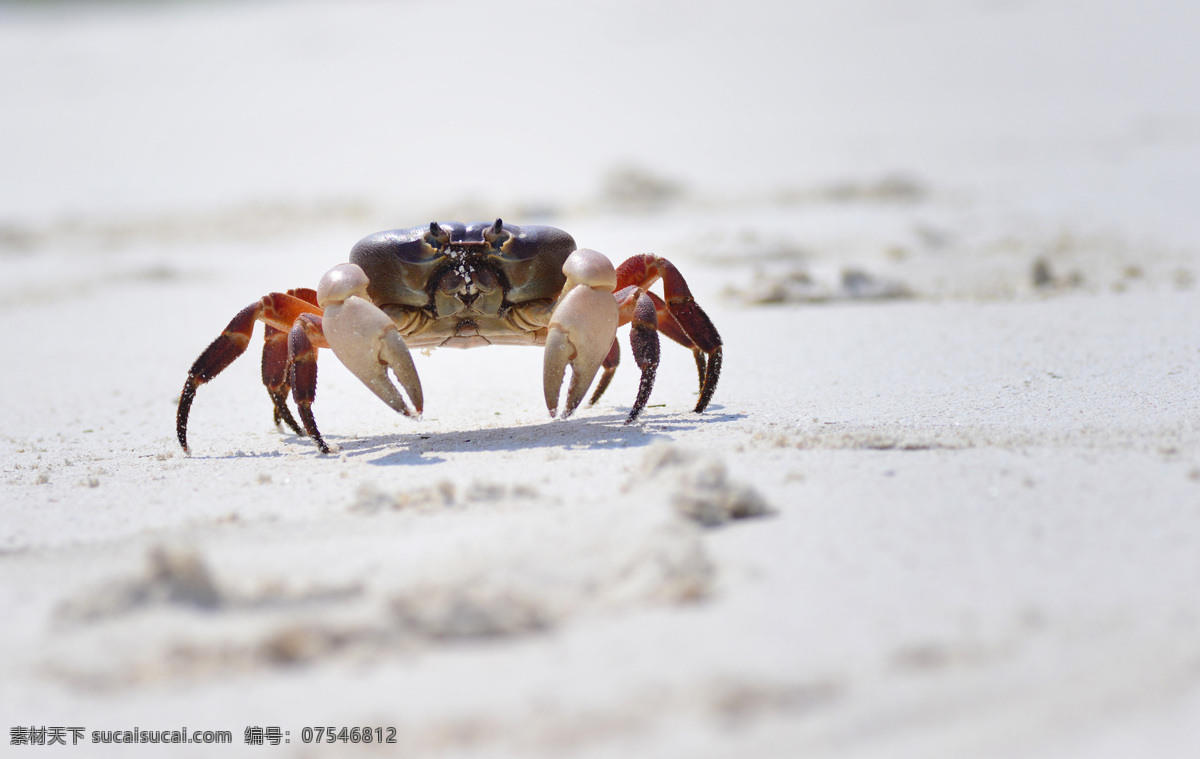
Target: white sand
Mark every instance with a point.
(985, 496)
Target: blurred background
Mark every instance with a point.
(125, 112)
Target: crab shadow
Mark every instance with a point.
(584, 433)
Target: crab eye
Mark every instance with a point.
(437, 237)
(496, 235)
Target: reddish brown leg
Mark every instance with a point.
(278, 310)
(643, 338)
(669, 327)
(611, 361)
(302, 356)
(643, 271)
(698, 326)
(275, 368)
(275, 371)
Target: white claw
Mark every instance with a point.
(582, 327)
(365, 339)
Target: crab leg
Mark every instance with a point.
(668, 326)
(302, 371)
(643, 337)
(275, 364)
(582, 328)
(275, 375)
(644, 270)
(365, 339)
(277, 309)
(611, 362)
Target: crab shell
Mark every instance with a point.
(467, 285)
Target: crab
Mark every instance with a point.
(454, 285)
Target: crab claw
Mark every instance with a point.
(365, 339)
(582, 327)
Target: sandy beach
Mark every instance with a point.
(945, 501)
